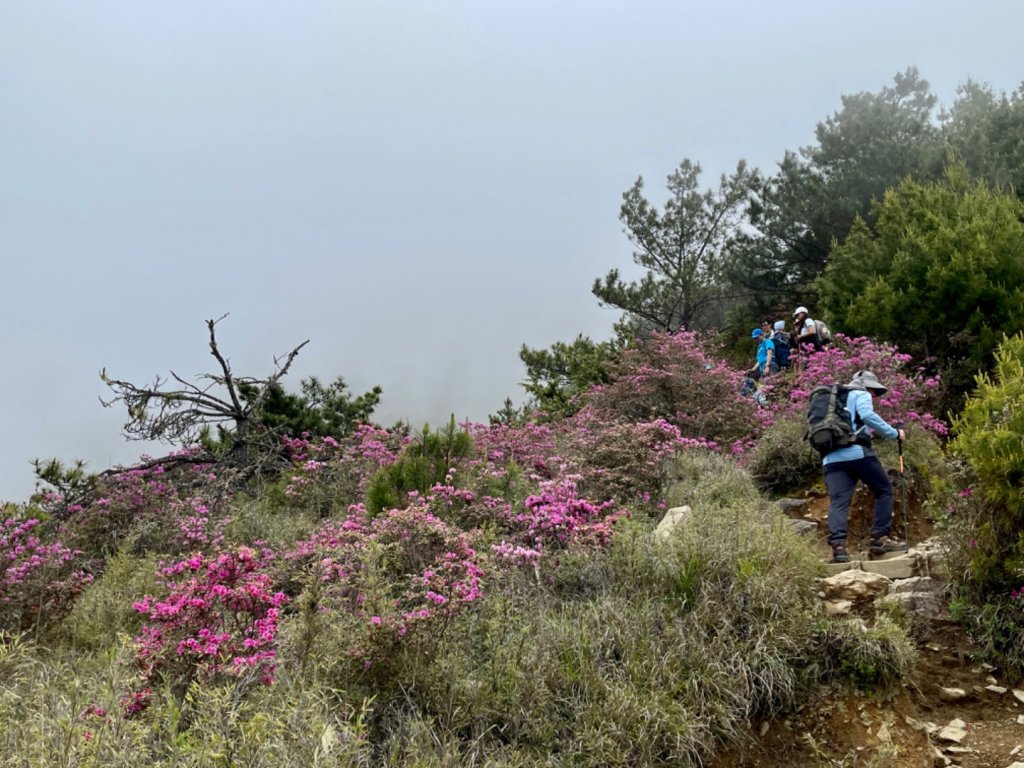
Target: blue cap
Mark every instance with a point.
(756, 332)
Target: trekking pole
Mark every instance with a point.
(903, 494)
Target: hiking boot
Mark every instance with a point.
(840, 555)
(884, 545)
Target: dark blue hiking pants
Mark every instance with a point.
(841, 479)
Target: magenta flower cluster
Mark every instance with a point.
(911, 391)
(219, 616)
(38, 579)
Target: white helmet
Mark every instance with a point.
(799, 310)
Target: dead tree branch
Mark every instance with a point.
(180, 415)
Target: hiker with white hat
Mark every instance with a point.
(808, 331)
(845, 465)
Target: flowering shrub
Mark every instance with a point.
(170, 510)
(403, 570)
(622, 460)
(344, 466)
(670, 376)
(911, 392)
(38, 580)
(555, 519)
(219, 617)
(533, 447)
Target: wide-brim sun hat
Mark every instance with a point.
(756, 332)
(798, 310)
(868, 380)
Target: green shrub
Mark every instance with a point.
(104, 610)
(707, 480)
(425, 462)
(874, 658)
(987, 550)
(782, 460)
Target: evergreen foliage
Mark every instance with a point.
(556, 377)
(940, 273)
(682, 249)
(987, 518)
(317, 410)
(427, 461)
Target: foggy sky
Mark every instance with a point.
(417, 188)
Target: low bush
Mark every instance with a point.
(104, 612)
(985, 520)
(783, 460)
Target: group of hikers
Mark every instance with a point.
(841, 424)
(777, 348)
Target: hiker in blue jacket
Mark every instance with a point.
(766, 363)
(845, 466)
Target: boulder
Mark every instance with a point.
(952, 694)
(955, 731)
(921, 595)
(855, 586)
(674, 519)
(793, 507)
(838, 607)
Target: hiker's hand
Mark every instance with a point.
(902, 435)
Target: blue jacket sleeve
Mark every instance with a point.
(866, 410)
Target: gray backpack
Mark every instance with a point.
(828, 422)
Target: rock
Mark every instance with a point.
(883, 734)
(1020, 719)
(915, 725)
(952, 694)
(991, 680)
(855, 586)
(803, 526)
(900, 566)
(917, 584)
(793, 507)
(958, 750)
(1016, 765)
(1015, 750)
(675, 518)
(939, 760)
(995, 689)
(932, 561)
(838, 607)
(834, 568)
(764, 728)
(921, 595)
(955, 731)
(1018, 694)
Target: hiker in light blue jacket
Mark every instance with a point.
(845, 466)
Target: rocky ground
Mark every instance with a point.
(950, 711)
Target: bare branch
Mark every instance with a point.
(179, 416)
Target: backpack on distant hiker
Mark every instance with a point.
(823, 333)
(828, 421)
(781, 341)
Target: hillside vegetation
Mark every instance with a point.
(296, 585)
(462, 595)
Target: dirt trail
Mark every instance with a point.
(853, 729)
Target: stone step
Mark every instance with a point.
(897, 565)
(902, 566)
